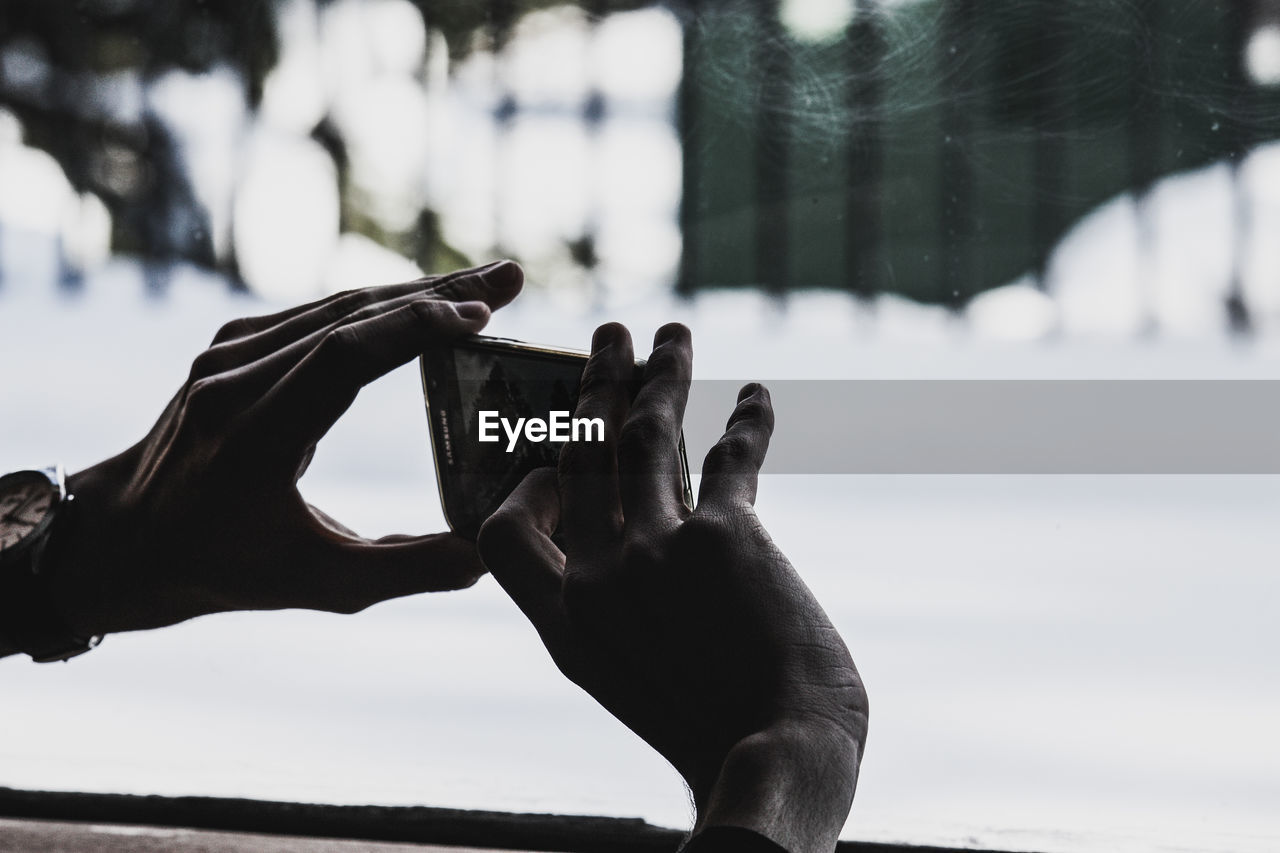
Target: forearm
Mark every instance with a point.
(728, 839)
(791, 784)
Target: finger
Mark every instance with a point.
(589, 469)
(515, 545)
(338, 305)
(731, 471)
(341, 304)
(495, 285)
(650, 478)
(310, 397)
(349, 574)
(223, 395)
(331, 523)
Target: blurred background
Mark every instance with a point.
(889, 189)
(1032, 166)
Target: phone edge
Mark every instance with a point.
(431, 436)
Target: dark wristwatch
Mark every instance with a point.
(33, 505)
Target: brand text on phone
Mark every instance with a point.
(558, 426)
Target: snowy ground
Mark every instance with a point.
(1055, 663)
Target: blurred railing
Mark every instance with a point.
(938, 149)
(929, 148)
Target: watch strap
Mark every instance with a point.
(31, 623)
(29, 619)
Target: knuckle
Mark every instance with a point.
(732, 450)
(211, 362)
(706, 534)
(338, 343)
(593, 379)
(596, 378)
(341, 305)
(581, 594)
(232, 330)
(642, 555)
(753, 409)
(500, 537)
(460, 580)
(366, 311)
(335, 358)
(345, 302)
(857, 702)
(585, 470)
(448, 288)
(643, 434)
(458, 283)
(663, 359)
(206, 399)
(433, 314)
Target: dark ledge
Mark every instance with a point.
(422, 824)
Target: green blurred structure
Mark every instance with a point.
(934, 148)
(940, 148)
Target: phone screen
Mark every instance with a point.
(512, 380)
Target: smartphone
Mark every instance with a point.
(476, 389)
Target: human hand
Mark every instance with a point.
(204, 515)
(689, 626)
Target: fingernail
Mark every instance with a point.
(605, 335)
(503, 271)
(472, 310)
(669, 332)
(748, 390)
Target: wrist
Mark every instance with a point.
(793, 783)
(37, 512)
(81, 559)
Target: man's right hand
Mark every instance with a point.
(690, 626)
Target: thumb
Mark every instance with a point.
(356, 573)
(516, 546)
